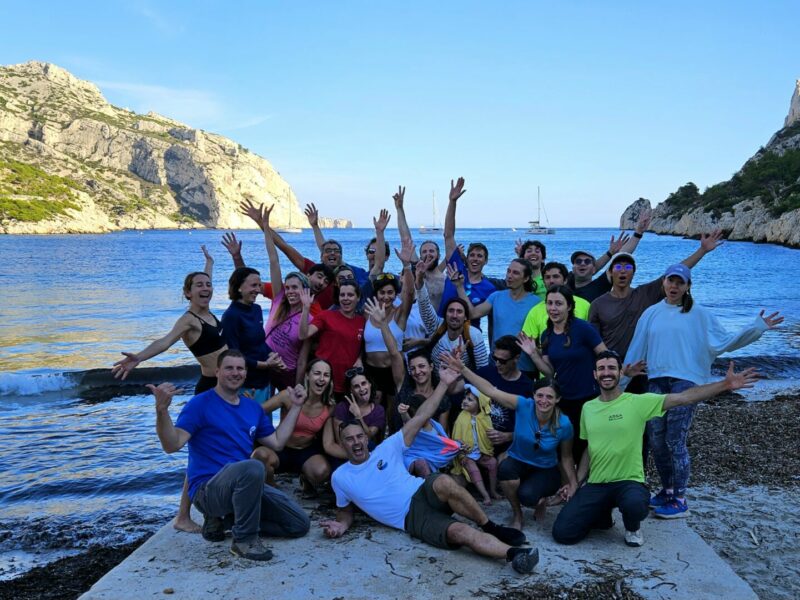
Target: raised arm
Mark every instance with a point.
(733, 381)
(277, 440)
(483, 385)
(234, 248)
(529, 347)
(377, 316)
(380, 242)
(405, 255)
(275, 276)
(122, 367)
(456, 191)
(457, 279)
(708, 243)
(208, 268)
(172, 438)
(307, 330)
(428, 408)
(402, 224)
(312, 214)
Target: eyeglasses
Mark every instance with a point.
(382, 276)
(623, 267)
(500, 361)
(331, 251)
(583, 261)
(371, 251)
(350, 373)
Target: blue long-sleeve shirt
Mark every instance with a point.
(684, 345)
(243, 330)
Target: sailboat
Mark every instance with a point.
(435, 227)
(535, 227)
(289, 228)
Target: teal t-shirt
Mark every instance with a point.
(525, 427)
(614, 431)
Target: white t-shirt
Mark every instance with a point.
(381, 486)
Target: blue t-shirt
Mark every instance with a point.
(476, 292)
(434, 446)
(508, 316)
(574, 364)
(243, 330)
(222, 433)
(525, 428)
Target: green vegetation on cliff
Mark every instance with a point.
(28, 193)
(772, 177)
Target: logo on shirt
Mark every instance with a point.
(252, 432)
(381, 465)
(615, 417)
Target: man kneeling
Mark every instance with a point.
(221, 427)
(379, 484)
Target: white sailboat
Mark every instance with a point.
(535, 227)
(289, 228)
(435, 227)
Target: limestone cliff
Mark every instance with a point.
(72, 162)
(761, 202)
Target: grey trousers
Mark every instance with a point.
(239, 489)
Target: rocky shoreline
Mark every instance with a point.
(745, 471)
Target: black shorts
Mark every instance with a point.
(292, 459)
(382, 380)
(428, 517)
(204, 384)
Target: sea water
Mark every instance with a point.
(81, 463)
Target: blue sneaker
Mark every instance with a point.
(674, 509)
(660, 499)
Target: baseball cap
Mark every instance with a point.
(680, 270)
(468, 387)
(581, 253)
(622, 256)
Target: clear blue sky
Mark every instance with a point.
(599, 103)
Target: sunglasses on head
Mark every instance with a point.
(383, 276)
(350, 373)
(583, 261)
(623, 267)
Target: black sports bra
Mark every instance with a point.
(210, 339)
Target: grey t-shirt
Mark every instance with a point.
(616, 318)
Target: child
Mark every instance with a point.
(471, 429)
(431, 450)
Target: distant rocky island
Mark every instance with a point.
(70, 162)
(760, 203)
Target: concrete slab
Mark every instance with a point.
(374, 562)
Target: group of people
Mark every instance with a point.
(389, 392)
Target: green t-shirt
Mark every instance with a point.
(614, 431)
(541, 290)
(536, 320)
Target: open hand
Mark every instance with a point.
(742, 379)
(773, 320)
(232, 245)
(457, 189)
(712, 240)
(312, 214)
(333, 529)
(122, 367)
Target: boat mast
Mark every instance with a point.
(435, 216)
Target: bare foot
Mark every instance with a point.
(186, 524)
(487, 501)
(496, 495)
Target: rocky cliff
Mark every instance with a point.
(71, 162)
(761, 202)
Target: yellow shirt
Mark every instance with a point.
(536, 321)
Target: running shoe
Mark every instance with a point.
(674, 509)
(660, 499)
(251, 550)
(634, 538)
(213, 529)
(524, 559)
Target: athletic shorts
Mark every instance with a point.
(382, 380)
(292, 459)
(428, 517)
(205, 383)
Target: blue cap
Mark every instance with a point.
(472, 389)
(679, 270)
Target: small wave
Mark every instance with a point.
(21, 384)
(774, 366)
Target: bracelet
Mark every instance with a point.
(637, 235)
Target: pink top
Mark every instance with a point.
(284, 338)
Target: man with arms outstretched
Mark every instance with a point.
(613, 425)
(378, 483)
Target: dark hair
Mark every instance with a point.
(509, 344)
(189, 280)
(348, 380)
(346, 282)
(237, 279)
(324, 269)
(608, 354)
(528, 244)
(550, 382)
(465, 332)
(570, 298)
(686, 300)
(232, 352)
(381, 282)
(351, 421)
(438, 251)
(414, 402)
(562, 268)
(419, 353)
(478, 246)
(372, 241)
(527, 268)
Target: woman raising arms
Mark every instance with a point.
(201, 332)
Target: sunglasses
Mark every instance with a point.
(623, 267)
(350, 373)
(583, 261)
(538, 443)
(371, 251)
(387, 276)
(500, 361)
(331, 251)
